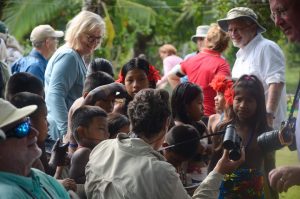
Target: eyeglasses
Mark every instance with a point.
(93, 39)
(20, 131)
(279, 13)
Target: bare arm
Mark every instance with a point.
(78, 162)
(274, 93)
(174, 75)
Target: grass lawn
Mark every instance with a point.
(287, 157)
(292, 78)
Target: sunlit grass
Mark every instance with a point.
(286, 157)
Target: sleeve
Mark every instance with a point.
(274, 63)
(209, 188)
(224, 69)
(174, 188)
(62, 79)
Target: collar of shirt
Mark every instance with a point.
(249, 46)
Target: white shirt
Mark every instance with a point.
(264, 59)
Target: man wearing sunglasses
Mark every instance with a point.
(18, 151)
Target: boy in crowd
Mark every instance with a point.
(89, 127)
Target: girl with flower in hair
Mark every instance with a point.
(137, 74)
(220, 83)
(246, 110)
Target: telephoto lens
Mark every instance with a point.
(269, 141)
(232, 142)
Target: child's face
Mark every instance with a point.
(107, 104)
(135, 81)
(97, 131)
(173, 158)
(195, 108)
(244, 105)
(219, 102)
(40, 123)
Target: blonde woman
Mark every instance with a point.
(66, 70)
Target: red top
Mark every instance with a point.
(201, 69)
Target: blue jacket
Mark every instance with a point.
(35, 63)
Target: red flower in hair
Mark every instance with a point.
(153, 74)
(229, 95)
(120, 79)
(220, 83)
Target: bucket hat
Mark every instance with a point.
(240, 12)
(201, 31)
(10, 114)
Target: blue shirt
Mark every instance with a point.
(36, 185)
(64, 80)
(35, 63)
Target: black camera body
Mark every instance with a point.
(276, 139)
(232, 142)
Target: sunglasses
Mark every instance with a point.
(20, 131)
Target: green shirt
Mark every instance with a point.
(36, 185)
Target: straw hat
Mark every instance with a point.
(10, 114)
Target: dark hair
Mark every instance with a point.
(183, 95)
(137, 63)
(83, 117)
(96, 79)
(180, 134)
(116, 121)
(100, 64)
(23, 99)
(148, 112)
(21, 82)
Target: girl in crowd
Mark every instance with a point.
(220, 83)
(247, 102)
(136, 75)
(168, 55)
(187, 108)
(117, 123)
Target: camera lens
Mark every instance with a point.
(229, 137)
(269, 141)
(235, 154)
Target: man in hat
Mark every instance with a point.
(18, 151)
(44, 40)
(198, 38)
(258, 56)
(286, 15)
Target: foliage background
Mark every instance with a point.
(141, 26)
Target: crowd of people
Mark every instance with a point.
(69, 129)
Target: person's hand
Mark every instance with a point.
(68, 184)
(58, 154)
(281, 179)
(118, 90)
(226, 166)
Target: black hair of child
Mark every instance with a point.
(83, 117)
(23, 82)
(186, 135)
(23, 99)
(96, 79)
(100, 64)
(116, 121)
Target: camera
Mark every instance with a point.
(232, 142)
(276, 139)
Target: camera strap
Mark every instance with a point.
(296, 97)
(191, 140)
